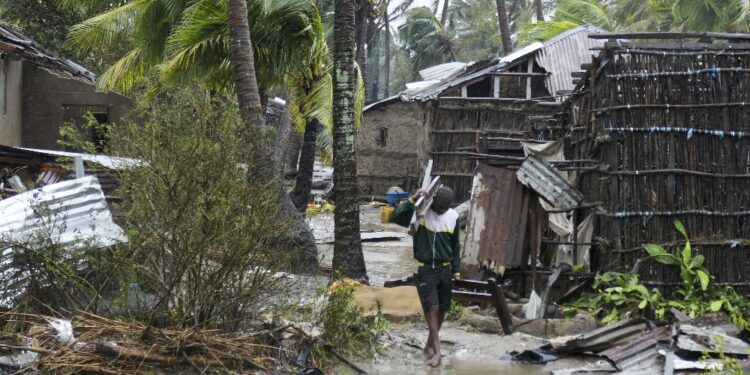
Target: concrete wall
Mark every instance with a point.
(11, 74)
(51, 98)
(395, 162)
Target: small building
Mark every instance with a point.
(442, 117)
(40, 91)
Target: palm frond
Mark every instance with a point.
(125, 73)
(99, 32)
(541, 31)
(583, 12)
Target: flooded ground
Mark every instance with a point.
(385, 260)
(465, 352)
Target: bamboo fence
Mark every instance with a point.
(671, 127)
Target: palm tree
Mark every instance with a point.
(426, 40)
(475, 23)
(347, 250)
(568, 14)
(190, 42)
(444, 15)
(243, 64)
(502, 20)
(539, 10)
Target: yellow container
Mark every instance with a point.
(385, 214)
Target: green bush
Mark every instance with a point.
(346, 328)
(618, 295)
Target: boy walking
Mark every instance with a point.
(438, 254)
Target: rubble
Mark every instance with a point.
(637, 346)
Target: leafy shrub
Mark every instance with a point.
(345, 326)
(204, 234)
(619, 294)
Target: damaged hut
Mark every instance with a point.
(667, 120)
(41, 91)
(441, 118)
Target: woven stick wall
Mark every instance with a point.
(671, 125)
(455, 127)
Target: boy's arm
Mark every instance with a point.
(403, 213)
(456, 245)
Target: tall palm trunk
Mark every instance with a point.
(387, 75)
(363, 15)
(243, 62)
(373, 53)
(303, 185)
(539, 10)
(502, 20)
(347, 249)
(248, 98)
(444, 15)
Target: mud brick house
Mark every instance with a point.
(40, 91)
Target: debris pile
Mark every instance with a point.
(638, 346)
(94, 344)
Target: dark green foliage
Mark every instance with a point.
(618, 295)
(205, 239)
(346, 327)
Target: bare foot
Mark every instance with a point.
(428, 351)
(435, 361)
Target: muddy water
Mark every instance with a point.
(387, 260)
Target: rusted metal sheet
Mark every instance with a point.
(505, 222)
(539, 175)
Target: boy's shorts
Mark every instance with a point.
(434, 286)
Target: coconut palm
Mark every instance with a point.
(183, 40)
(503, 23)
(568, 14)
(426, 40)
(476, 28)
(347, 249)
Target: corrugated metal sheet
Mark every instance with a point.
(111, 162)
(69, 212)
(505, 222)
(542, 177)
(640, 354)
(442, 71)
(564, 54)
(605, 337)
(13, 42)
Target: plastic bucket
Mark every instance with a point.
(394, 198)
(385, 214)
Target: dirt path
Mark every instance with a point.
(465, 352)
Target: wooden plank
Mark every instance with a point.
(519, 74)
(496, 87)
(471, 284)
(498, 299)
(460, 295)
(672, 35)
(529, 70)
